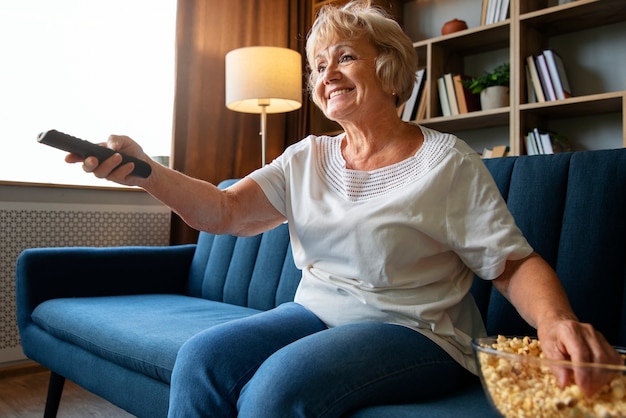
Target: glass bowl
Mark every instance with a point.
(520, 383)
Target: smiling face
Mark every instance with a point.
(346, 84)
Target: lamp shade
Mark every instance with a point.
(266, 77)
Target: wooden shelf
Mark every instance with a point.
(575, 16)
(526, 32)
(475, 40)
(470, 121)
(578, 106)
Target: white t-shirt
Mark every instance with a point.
(398, 244)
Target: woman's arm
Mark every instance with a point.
(533, 288)
(242, 209)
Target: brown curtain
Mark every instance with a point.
(211, 142)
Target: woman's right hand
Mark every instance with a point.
(110, 168)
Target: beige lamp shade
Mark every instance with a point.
(263, 77)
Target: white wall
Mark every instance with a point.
(423, 19)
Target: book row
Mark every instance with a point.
(496, 152)
(415, 107)
(541, 142)
(494, 11)
(454, 97)
(546, 79)
(537, 142)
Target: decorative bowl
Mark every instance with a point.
(454, 25)
(520, 383)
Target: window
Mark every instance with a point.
(87, 68)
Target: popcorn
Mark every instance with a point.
(528, 389)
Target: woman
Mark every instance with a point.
(388, 222)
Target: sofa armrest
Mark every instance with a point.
(50, 273)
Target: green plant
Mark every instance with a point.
(500, 76)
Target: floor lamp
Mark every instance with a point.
(263, 79)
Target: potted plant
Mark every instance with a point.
(493, 87)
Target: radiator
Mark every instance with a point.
(30, 224)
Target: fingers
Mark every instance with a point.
(554, 349)
(112, 168)
(73, 158)
(103, 169)
(109, 169)
(580, 343)
(597, 350)
(124, 144)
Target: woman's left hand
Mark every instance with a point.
(578, 342)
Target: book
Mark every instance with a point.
(499, 151)
(544, 76)
(466, 100)
(454, 106)
(496, 10)
(557, 74)
(421, 91)
(483, 12)
(534, 78)
(531, 97)
(443, 97)
(421, 109)
(504, 10)
(544, 141)
(531, 147)
(410, 107)
(537, 140)
(495, 152)
(491, 12)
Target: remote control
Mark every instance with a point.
(86, 149)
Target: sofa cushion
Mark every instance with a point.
(140, 332)
(257, 272)
(539, 218)
(591, 260)
(575, 222)
(469, 402)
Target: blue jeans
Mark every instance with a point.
(286, 362)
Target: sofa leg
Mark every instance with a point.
(55, 390)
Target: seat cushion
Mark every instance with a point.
(139, 332)
(469, 402)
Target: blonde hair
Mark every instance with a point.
(396, 63)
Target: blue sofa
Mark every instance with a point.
(113, 319)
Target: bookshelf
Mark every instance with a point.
(531, 27)
(528, 31)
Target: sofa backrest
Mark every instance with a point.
(570, 206)
(572, 209)
(257, 272)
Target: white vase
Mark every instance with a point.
(494, 97)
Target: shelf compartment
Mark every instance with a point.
(474, 40)
(575, 16)
(469, 121)
(577, 106)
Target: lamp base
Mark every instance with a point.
(263, 131)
